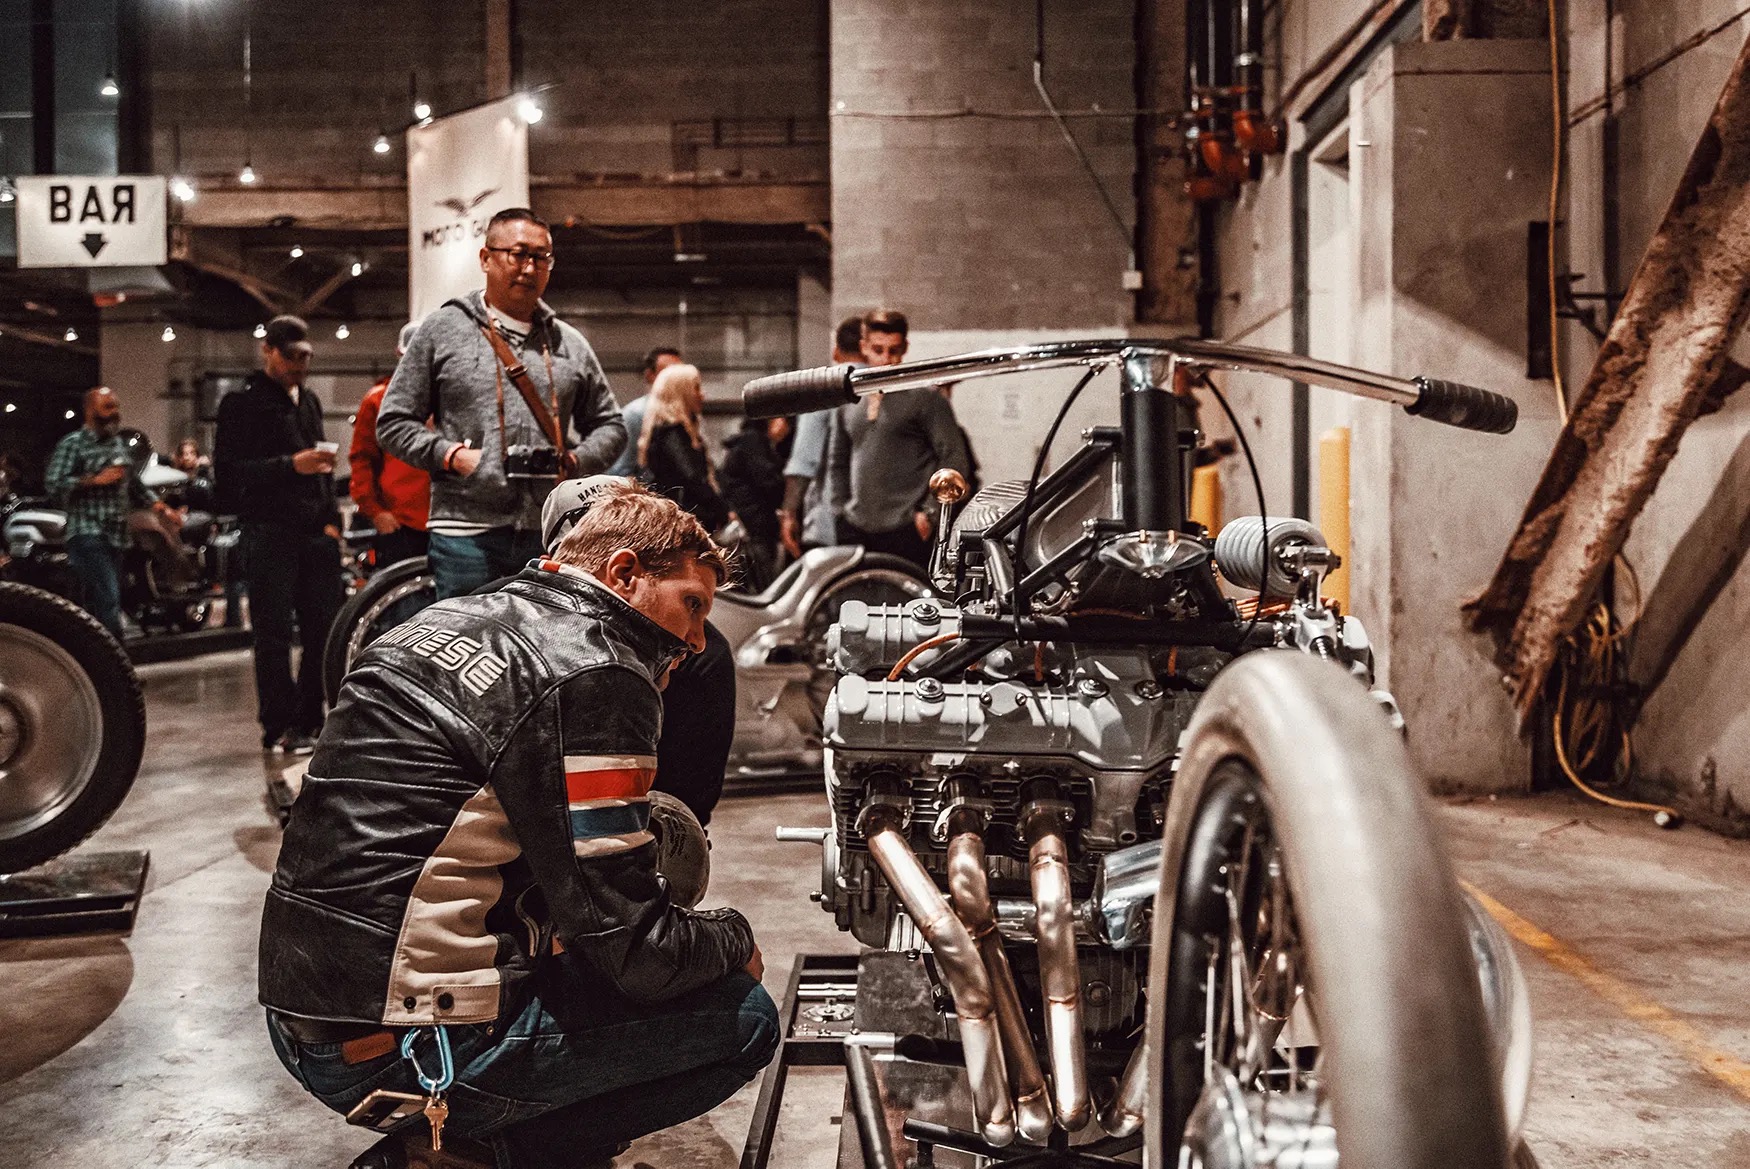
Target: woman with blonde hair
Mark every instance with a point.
(671, 450)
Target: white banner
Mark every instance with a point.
(460, 171)
(75, 221)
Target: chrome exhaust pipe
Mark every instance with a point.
(1060, 975)
(958, 959)
(970, 893)
(1123, 1116)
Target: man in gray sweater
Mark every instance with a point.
(883, 450)
(486, 509)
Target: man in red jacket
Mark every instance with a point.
(395, 497)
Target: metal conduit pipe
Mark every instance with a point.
(1060, 974)
(961, 968)
(970, 892)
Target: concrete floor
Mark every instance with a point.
(148, 1050)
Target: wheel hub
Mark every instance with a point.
(11, 731)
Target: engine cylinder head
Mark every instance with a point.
(1248, 551)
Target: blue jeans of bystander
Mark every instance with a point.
(462, 564)
(96, 564)
(575, 1071)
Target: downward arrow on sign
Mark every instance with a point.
(94, 242)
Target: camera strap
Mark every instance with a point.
(509, 366)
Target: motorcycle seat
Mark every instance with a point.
(768, 594)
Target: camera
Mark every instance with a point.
(525, 461)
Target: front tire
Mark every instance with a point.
(72, 726)
(1310, 959)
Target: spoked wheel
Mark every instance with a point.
(386, 600)
(1314, 995)
(72, 726)
(878, 579)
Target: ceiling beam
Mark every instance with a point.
(607, 204)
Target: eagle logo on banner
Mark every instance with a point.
(462, 207)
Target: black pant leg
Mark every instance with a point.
(270, 564)
(698, 725)
(401, 544)
(317, 597)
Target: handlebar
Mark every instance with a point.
(1453, 403)
(799, 392)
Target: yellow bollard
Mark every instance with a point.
(1334, 508)
(1206, 497)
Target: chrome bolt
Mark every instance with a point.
(926, 613)
(928, 689)
(1149, 689)
(1092, 688)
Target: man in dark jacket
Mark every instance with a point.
(485, 501)
(468, 879)
(276, 472)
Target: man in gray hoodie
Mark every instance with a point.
(485, 515)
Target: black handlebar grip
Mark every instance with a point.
(798, 392)
(1457, 404)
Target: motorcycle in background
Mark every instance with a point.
(169, 574)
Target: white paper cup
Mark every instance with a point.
(328, 448)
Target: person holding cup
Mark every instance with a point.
(275, 471)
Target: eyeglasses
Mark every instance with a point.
(521, 256)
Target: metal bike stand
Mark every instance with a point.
(94, 892)
(817, 1011)
(878, 1017)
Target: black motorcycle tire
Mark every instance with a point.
(1287, 748)
(345, 638)
(44, 640)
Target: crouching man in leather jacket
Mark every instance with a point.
(469, 866)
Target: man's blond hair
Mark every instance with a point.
(656, 529)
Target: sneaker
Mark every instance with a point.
(295, 743)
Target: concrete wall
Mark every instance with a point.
(1416, 211)
(1441, 206)
(985, 231)
(617, 78)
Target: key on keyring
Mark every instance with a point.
(437, 1110)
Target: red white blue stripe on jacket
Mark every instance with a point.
(608, 800)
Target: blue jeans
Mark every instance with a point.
(462, 564)
(96, 565)
(573, 1073)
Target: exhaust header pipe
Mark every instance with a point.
(970, 892)
(1043, 821)
(962, 969)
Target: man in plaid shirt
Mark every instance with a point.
(92, 475)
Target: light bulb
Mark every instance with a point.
(421, 110)
(169, 334)
(109, 87)
(358, 269)
(7, 191)
(381, 145)
(528, 111)
(297, 250)
(11, 406)
(69, 415)
(182, 189)
(342, 333)
(246, 176)
(71, 334)
(261, 332)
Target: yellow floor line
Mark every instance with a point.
(1731, 1071)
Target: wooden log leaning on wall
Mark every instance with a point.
(1658, 368)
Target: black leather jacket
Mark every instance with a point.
(479, 790)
